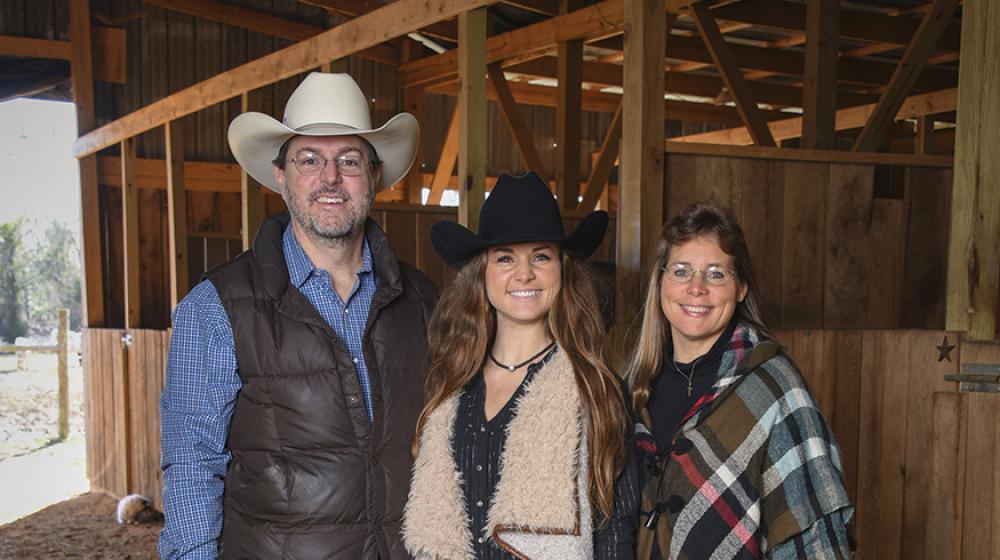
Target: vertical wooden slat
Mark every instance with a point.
(130, 236)
(947, 477)
(924, 142)
(819, 88)
(980, 502)
(885, 251)
(848, 207)
(842, 360)
(870, 443)
(762, 218)
(926, 262)
(176, 212)
(250, 203)
(641, 184)
(569, 110)
(472, 122)
(82, 77)
(974, 247)
(802, 299)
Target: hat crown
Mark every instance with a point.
(327, 99)
(520, 207)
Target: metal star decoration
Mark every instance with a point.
(944, 351)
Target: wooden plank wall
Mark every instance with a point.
(122, 386)
(833, 247)
(919, 457)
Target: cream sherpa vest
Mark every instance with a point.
(541, 509)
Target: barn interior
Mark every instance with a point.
(854, 140)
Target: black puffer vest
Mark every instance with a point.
(310, 476)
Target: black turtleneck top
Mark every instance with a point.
(669, 402)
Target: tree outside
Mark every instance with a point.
(13, 311)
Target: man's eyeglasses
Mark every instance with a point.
(310, 163)
(681, 273)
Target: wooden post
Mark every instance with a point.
(472, 122)
(130, 234)
(569, 110)
(641, 184)
(62, 344)
(924, 142)
(819, 92)
(176, 212)
(251, 211)
(82, 72)
(974, 246)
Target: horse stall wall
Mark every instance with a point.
(834, 245)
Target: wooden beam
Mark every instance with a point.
(597, 21)
(446, 161)
(641, 176)
(569, 108)
(355, 8)
(819, 92)
(731, 74)
(974, 243)
(601, 171)
(130, 235)
(371, 29)
(472, 120)
(854, 24)
(263, 22)
(413, 103)
(108, 51)
(515, 121)
(924, 142)
(851, 117)
(82, 77)
(817, 156)
(251, 211)
(176, 213)
(933, 26)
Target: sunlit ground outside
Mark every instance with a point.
(39, 188)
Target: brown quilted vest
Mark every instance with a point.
(310, 476)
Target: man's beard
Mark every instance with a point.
(338, 232)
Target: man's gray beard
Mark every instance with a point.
(337, 236)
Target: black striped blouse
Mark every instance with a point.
(478, 445)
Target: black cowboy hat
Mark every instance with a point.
(519, 209)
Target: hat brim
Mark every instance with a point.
(456, 244)
(255, 139)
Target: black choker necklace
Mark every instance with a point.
(522, 364)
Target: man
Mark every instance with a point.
(295, 373)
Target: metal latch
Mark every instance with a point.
(977, 378)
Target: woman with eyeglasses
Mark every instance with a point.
(739, 462)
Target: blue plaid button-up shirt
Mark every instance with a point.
(201, 387)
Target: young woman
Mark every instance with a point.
(522, 448)
(739, 461)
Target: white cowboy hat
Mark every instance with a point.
(323, 105)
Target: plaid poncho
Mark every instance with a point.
(753, 472)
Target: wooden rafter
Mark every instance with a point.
(731, 74)
(472, 118)
(446, 161)
(934, 24)
(601, 171)
(371, 29)
(177, 225)
(355, 8)
(515, 120)
(848, 118)
(263, 22)
(854, 24)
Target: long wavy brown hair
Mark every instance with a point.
(696, 220)
(463, 325)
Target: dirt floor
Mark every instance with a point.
(81, 527)
(44, 510)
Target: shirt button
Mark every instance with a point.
(482, 428)
(479, 503)
(480, 539)
(355, 360)
(479, 467)
(346, 312)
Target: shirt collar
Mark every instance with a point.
(301, 267)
